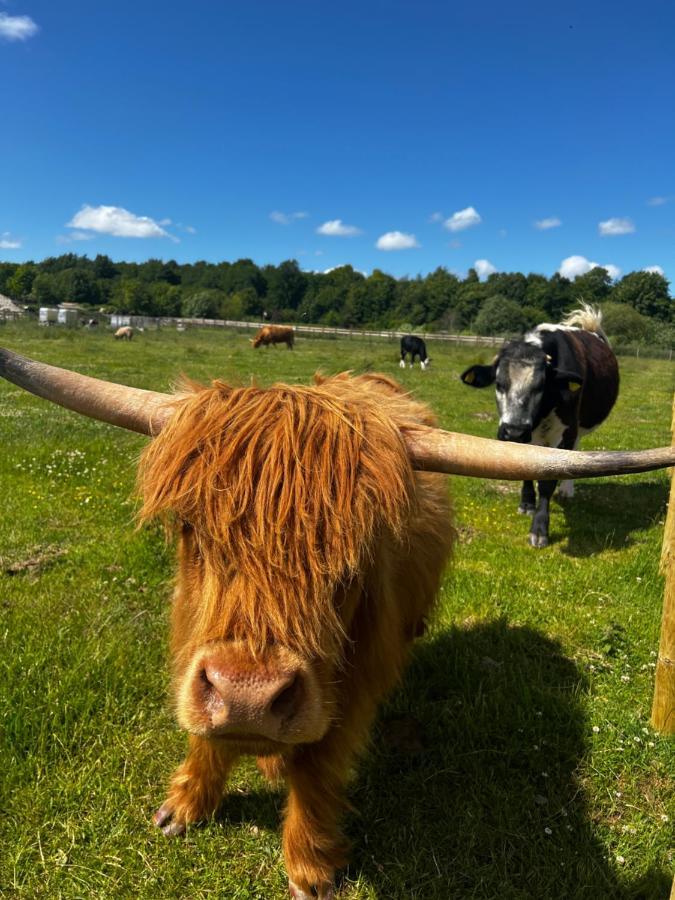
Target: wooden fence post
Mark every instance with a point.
(663, 708)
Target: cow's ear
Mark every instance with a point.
(478, 376)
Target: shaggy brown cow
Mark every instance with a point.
(125, 333)
(274, 334)
(310, 551)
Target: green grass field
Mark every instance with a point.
(515, 761)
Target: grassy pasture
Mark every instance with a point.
(516, 760)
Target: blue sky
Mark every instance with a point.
(397, 135)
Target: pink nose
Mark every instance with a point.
(251, 701)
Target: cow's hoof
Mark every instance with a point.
(538, 540)
(526, 510)
(322, 892)
(162, 819)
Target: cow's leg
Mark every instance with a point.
(273, 768)
(402, 363)
(539, 527)
(313, 844)
(196, 787)
(528, 499)
(566, 489)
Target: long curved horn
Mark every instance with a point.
(128, 407)
(430, 449)
(434, 450)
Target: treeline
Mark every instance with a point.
(637, 307)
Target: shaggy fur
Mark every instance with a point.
(302, 524)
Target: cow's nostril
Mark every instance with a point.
(209, 691)
(287, 701)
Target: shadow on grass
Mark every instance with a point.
(470, 788)
(487, 804)
(607, 515)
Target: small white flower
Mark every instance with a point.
(651, 744)
(625, 678)
(547, 831)
(596, 730)
(544, 774)
(621, 860)
(664, 818)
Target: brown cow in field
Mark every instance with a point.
(125, 333)
(274, 334)
(310, 550)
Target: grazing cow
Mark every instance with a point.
(415, 347)
(274, 334)
(554, 386)
(312, 533)
(125, 333)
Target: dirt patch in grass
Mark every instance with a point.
(40, 559)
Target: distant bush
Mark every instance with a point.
(499, 315)
(623, 322)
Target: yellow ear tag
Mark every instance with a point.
(470, 377)
(574, 386)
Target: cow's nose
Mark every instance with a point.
(520, 434)
(251, 702)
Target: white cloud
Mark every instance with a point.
(282, 218)
(7, 242)
(396, 240)
(118, 222)
(484, 268)
(463, 218)
(573, 266)
(545, 224)
(16, 28)
(337, 228)
(656, 269)
(657, 201)
(612, 227)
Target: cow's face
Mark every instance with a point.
(285, 505)
(522, 375)
(243, 680)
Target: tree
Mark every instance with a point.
(203, 305)
(103, 267)
(593, 287)
(500, 315)
(44, 290)
(286, 285)
(621, 321)
(20, 284)
(647, 292)
(77, 286)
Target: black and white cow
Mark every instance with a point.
(415, 347)
(556, 384)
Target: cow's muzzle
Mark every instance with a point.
(517, 434)
(227, 693)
